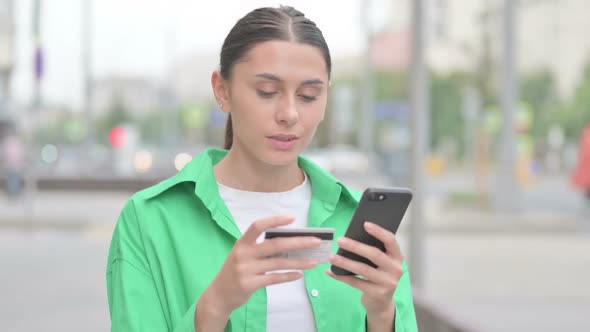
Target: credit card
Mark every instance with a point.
(321, 253)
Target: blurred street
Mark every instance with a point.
(492, 272)
(55, 280)
(549, 204)
(52, 281)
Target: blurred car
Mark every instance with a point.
(581, 175)
(340, 159)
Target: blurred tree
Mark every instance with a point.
(576, 114)
(390, 85)
(116, 116)
(484, 76)
(323, 133)
(67, 127)
(49, 133)
(152, 127)
(446, 102)
(447, 122)
(538, 91)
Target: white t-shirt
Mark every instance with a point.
(288, 306)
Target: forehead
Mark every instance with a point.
(287, 60)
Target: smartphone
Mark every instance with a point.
(385, 207)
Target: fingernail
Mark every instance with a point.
(369, 224)
(315, 240)
(332, 256)
(343, 240)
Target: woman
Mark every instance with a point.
(186, 254)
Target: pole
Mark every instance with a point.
(31, 167)
(507, 189)
(87, 74)
(367, 105)
(419, 120)
(38, 54)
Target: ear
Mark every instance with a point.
(221, 91)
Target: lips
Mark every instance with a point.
(283, 142)
(284, 138)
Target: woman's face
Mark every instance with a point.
(277, 97)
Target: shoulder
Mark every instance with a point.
(198, 171)
(326, 186)
(354, 193)
(161, 189)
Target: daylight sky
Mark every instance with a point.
(143, 37)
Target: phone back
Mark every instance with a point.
(382, 206)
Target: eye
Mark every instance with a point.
(308, 99)
(265, 94)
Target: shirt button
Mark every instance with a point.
(315, 293)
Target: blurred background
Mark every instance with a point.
(481, 107)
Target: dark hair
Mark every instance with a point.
(267, 24)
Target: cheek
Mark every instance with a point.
(314, 116)
(249, 111)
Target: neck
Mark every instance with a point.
(239, 170)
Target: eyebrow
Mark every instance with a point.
(275, 78)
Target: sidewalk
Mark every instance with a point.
(63, 210)
(445, 219)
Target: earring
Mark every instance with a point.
(221, 106)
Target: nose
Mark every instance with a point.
(287, 114)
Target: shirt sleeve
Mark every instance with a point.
(134, 303)
(405, 315)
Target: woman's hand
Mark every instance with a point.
(245, 271)
(377, 284)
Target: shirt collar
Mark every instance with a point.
(326, 189)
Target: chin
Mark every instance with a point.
(281, 158)
(276, 157)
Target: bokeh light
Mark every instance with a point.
(49, 153)
(118, 137)
(181, 160)
(143, 161)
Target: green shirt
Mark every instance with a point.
(172, 239)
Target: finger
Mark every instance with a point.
(275, 278)
(378, 257)
(279, 245)
(358, 283)
(367, 272)
(388, 238)
(366, 287)
(260, 226)
(275, 264)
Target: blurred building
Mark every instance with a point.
(6, 51)
(391, 50)
(137, 95)
(551, 36)
(554, 36)
(191, 78)
(6, 65)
